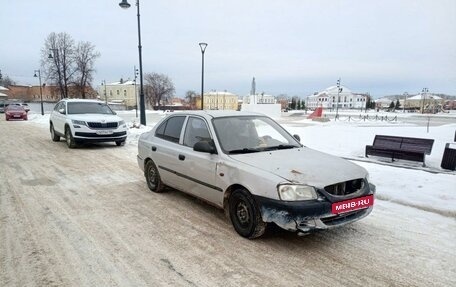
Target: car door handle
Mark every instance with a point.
(154, 148)
(181, 157)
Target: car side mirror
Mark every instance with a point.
(297, 137)
(204, 146)
(62, 111)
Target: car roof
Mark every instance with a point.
(82, 101)
(14, 107)
(219, 113)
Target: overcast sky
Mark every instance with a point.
(294, 47)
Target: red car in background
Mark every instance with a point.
(15, 112)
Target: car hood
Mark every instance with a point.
(304, 165)
(95, 118)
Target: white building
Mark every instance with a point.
(327, 99)
(259, 99)
(124, 92)
(220, 101)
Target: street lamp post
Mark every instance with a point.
(142, 106)
(339, 90)
(103, 83)
(405, 101)
(56, 59)
(423, 97)
(136, 96)
(203, 49)
(41, 91)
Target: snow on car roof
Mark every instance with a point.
(83, 100)
(222, 113)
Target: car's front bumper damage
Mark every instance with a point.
(307, 216)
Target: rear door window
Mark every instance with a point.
(171, 129)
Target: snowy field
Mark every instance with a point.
(429, 188)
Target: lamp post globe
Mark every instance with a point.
(124, 4)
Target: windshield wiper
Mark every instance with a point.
(243, 150)
(281, 146)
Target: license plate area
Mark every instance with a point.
(105, 132)
(352, 204)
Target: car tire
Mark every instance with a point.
(54, 136)
(120, 143)
(245, 215)
(71, 143)
(153, 177)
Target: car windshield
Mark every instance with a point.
(14, 107)
(248, 134)
(89, 108)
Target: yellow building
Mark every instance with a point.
(220, 101)
(124, 92)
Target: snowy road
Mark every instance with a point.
(84, 217)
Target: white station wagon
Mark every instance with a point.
(255, 170)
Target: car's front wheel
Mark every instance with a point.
(245, 215)
(153, 177)
(54, 136)
(71, 143)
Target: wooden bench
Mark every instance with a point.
(413, 149)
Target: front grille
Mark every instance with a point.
(93, 135)
(96, 125)
(344, 217)
(346, 187)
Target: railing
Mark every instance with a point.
(364, 118)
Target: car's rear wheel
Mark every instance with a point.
(54, 136)
(71, 143)
(153, 177)
(120, 143)
(245, 215)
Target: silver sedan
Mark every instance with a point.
(250, 166)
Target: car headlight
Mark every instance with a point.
(76, 122)
(121, 123)
(292, 192)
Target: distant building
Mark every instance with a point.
(49, 93)
(220, 101)
(122, 93)
(327, 99)
(259, 99)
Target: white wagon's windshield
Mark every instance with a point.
(89, 108)
(244, 134)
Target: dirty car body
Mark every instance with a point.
(255, 170)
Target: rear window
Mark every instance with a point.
(89, 108)
(171, 129)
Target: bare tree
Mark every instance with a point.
(57, 60)
(84, 59)
(158, 88)
(65, 63)
(6, 81)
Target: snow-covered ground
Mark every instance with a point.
(429, 188)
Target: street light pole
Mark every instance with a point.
(105, 93)
(339, 90)
(423, 96)
(41, 91)
(136, 96)
(142, 106)
(203, 49)
(56, 59)
(405, 101)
